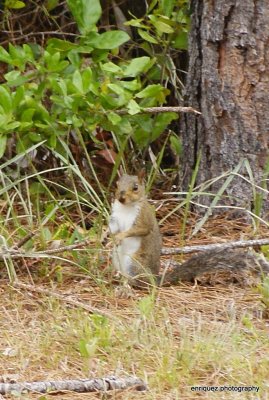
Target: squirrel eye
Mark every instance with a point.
(135, 187)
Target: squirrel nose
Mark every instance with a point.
(122, 196)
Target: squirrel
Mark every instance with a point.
(138, 242)
(137, 238)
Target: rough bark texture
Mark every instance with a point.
(228, 81)
(228, 246)
(76, 385)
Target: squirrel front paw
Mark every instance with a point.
(118, 238)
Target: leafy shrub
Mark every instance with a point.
(83, 86)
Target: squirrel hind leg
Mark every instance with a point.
(138, 275)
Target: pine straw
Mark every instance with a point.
(28, 321)
(218, 229)
(194, 335)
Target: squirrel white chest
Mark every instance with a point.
(122, 219)
(123, 216)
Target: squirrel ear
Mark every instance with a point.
(141, 175)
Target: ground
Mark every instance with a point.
(174, 338)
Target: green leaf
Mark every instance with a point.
(176, 144)
(5, 100)
(54, 62)
(110, 40)
(135, 22)
(15, 4)
(86, 13)
(25, 126)
(86, 79)
(4, 122)
(18, 96)
(28, 53)
(3, 143)
(160, 25)
(125, 127)
(150, 91)
(152, 5)
(133, 107)
(35, 137)
(181, 41)
(116, 88)
(18, 55)
(161, 122)
(12, 126)
(74, 58)
(52, 141)
(137, 65)
(14, 78)
(51, 4)
(5, 56)
(163, 27)
(131, 85)
(149, 129)
(27, 115)
(60, 45)
(167, 6)
(145, 122)
(111, 67)
(142, 137)
(77, 81)
(114, 118)
(146, 36)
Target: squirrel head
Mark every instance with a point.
(130, 188)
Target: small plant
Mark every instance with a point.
(263, 289)
(97, 337)
(146, 305)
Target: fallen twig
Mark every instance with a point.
(215, 246)
(24, 240)
(76, 385)
(14, 253)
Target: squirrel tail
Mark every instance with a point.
(212, 261)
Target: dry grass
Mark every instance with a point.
(187, 336)
(173, 338)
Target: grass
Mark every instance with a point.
(189, 336)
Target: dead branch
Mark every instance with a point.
(14, 253)
(157, 110)
(66, 248)
(76, 385)
(215, 246)
(64, 299)
(24, 240)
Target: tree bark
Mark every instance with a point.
(228, 81)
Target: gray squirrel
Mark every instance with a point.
(138, 243)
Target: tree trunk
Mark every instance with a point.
(228, 81)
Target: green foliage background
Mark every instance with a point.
(93, 81)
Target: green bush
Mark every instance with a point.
(84, 85)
